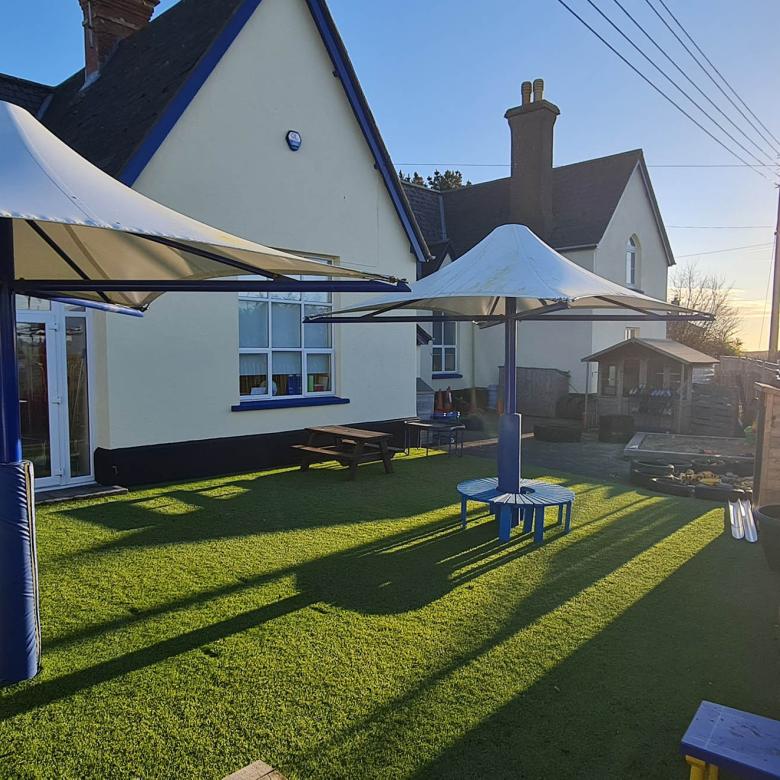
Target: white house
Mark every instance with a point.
(600, 213)
(246, 115)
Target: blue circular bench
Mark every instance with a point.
(529, 504)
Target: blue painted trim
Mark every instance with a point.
(362, 112)
(288, 403)
(181, 100)
(447, 375)
(179, 103)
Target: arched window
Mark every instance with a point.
(632, 261)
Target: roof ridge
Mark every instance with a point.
(473, 185)
(26, 82)
(635, 152)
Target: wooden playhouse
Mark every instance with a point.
(651, 380)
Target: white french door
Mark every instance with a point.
(54, 380)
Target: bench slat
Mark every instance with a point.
(344, 456)
(318, 450)
(737, 741)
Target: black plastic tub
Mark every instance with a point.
(768, 518)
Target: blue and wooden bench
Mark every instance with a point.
(528, 505)
(719, 737)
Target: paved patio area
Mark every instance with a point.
(589, 457)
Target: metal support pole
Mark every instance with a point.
(774, 317)
(510, 425)
(20, 636)
(10, 427)
(510, 357)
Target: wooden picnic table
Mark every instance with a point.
(348, 446)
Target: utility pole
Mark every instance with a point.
(774, 317)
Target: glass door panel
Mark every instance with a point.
(34, 399)
(79, 451)
(52, 355)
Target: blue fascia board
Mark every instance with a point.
(288, 403)
(181, 100)
(179, 103)
(362, 112)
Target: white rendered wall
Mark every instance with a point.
(173, 376)
(633, 217)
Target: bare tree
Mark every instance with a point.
(693, 288)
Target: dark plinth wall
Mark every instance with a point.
(131, 466)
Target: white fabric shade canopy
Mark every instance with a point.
(69, 231)
(513, 263)
(73, 222)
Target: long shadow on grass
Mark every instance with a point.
(619, 705)
(268, 503)
(412, 573)
(397, 574)
(571, 570)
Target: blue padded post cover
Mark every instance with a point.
(509, 438)
(20, 631)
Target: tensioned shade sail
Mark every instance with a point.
(74, 222)
(512, 262)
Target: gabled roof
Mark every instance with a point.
(585, 196)
(108, 121)
(665, 347)
(123, 117)
(428, 209)
(20, 92)
(423, 337)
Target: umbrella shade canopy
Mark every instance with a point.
(72, 222)
(512, 262)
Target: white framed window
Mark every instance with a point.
(632, 333)
(279, 356)
(445, 347)
(632, 261)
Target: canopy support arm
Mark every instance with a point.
(206, 255)
(58, 250)
(619, 304)
(282, 284)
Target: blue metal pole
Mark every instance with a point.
(510, 427)
(20, 638)
(510, 357)
(10, 426)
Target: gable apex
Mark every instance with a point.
(122, 119)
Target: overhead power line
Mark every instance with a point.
(709, 75)
(652, 165)
(658, 89)
(690, 80)
(721, 227)
(730, 249)
(652, 62)
(709, 165)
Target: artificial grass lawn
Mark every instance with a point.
(351, 629)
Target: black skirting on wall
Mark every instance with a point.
(131, 466)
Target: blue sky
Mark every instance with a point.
(439, 75)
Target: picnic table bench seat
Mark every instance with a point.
(348, 446)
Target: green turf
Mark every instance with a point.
(351, 629)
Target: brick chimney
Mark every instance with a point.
(530, 189)
(106, 23)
